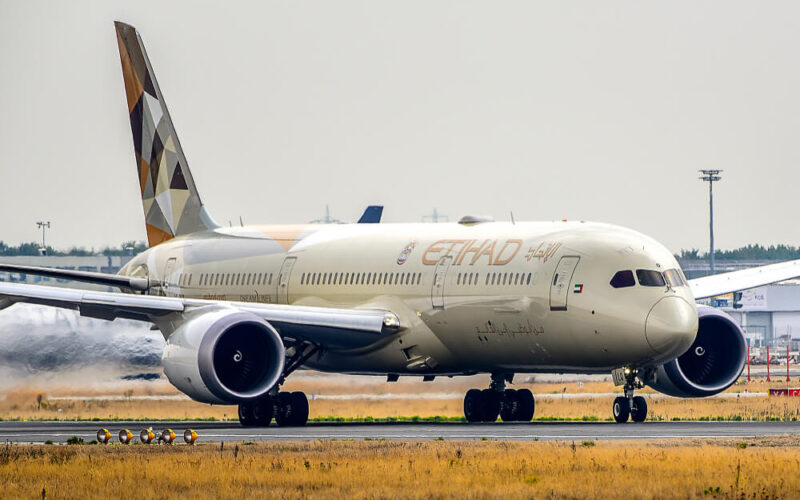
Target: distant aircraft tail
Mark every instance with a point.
(172, 206)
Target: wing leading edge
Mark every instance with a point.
(718, 284)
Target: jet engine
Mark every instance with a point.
(713, 362)
(224, 357)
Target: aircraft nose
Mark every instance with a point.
(671, 326)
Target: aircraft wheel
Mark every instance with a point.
(639, 409)
(622, 409)
(509, 407)
(299, 408)
(525, 405)
(262, 411)
(473, 406)
(491, 404)
(283, 415)
(246, 417)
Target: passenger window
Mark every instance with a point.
(673, 278)
(623, 279)
(650, 278)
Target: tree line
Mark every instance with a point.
(748, 252)
(32, 248)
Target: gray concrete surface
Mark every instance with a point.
(58, 432)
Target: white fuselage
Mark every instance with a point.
(482, 297)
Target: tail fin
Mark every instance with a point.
(172, 206)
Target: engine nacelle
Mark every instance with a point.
(713, 362)
(224, 357)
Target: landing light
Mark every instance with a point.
(125, 436)
(103, 436)
(391, 321)
(189, 436)
(146, 436)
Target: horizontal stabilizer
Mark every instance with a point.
(123, 282)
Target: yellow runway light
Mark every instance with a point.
(103, 436)
(167, 436)
(146, 436)
(125, 436)
(189, 436)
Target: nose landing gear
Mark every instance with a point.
(509, 404)
(630, 406)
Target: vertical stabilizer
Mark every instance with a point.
(172, 206)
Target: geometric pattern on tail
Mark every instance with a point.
(170, 200)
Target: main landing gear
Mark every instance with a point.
(289, 409)
(487, 404)
(630, 406)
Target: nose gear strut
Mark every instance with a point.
(630, 406)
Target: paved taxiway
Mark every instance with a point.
(38, 432)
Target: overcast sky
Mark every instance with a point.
(601, 111)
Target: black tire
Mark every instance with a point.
(283, 415)
(473, 406)
(509, 406)
(262, 411)
(525, 405)
(299, 408)
(639, 409)
(491, 405)
(246, 417)
(621, 409)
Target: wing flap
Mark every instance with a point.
(718, 284)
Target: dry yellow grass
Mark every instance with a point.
(765, 468)
(23, 404)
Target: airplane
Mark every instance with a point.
(242, 308)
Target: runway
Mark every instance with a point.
(58, 432)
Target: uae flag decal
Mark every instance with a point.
(578, 288)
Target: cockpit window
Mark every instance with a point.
(674, 278)
(650, 278)
(623, 279)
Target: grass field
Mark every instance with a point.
(359, 397)
(756, 468)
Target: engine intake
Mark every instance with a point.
(224, 357)
(713, 362)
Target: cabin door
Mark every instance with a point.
(168, 279)
(283, 280)
(562, 279)
(439, 275)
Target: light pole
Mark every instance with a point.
(711, 176)
(44, 226)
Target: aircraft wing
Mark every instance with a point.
(718, 284)
(328, 327)
(124, 282)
